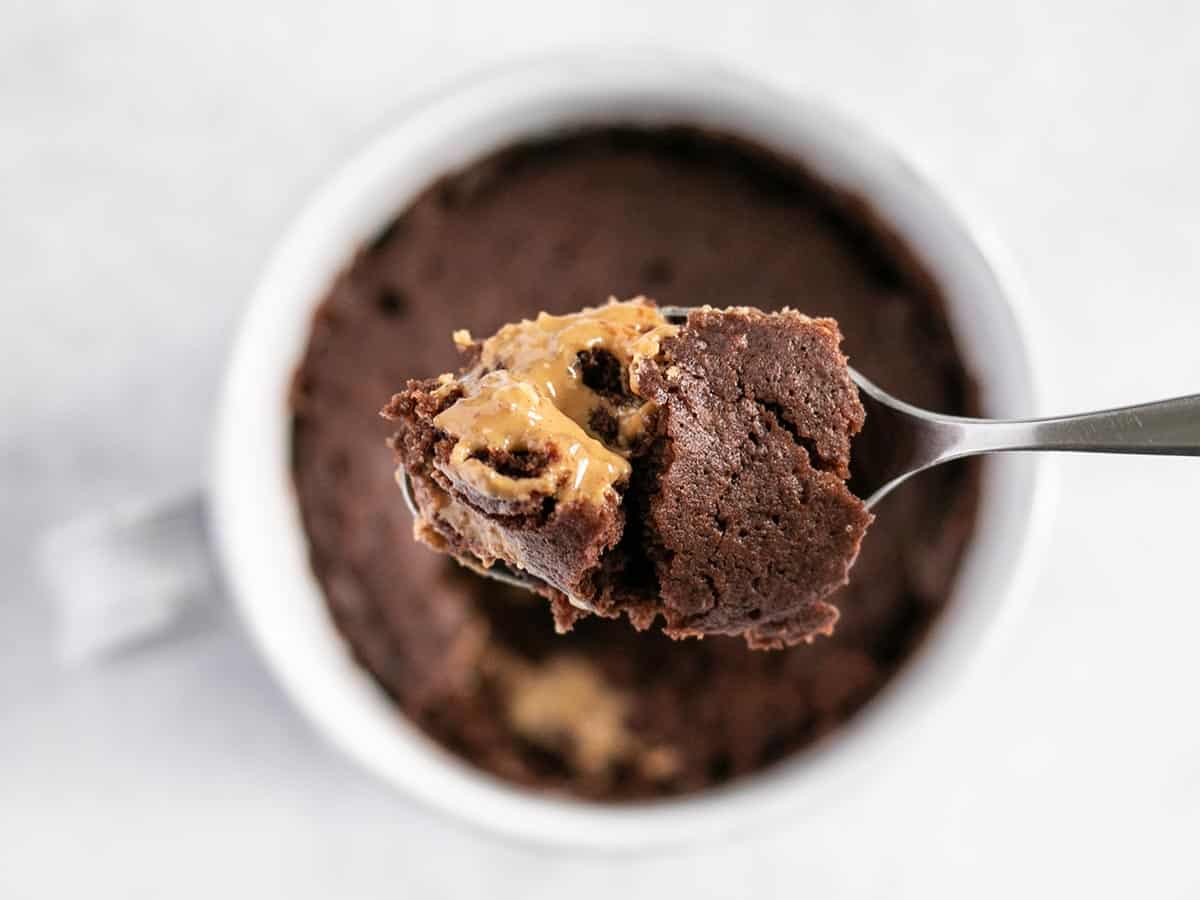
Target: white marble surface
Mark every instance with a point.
(151, 151)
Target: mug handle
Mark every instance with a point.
(122, 576)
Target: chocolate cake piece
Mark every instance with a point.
(524, 456)
(695, 472)
(748, 515)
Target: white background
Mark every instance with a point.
(151, 151)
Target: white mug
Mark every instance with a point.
(255, 511)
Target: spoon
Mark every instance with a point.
(910, 440)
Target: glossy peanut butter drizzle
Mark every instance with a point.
(527, 393)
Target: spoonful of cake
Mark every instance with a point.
(692, 464)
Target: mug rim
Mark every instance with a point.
(253, 495)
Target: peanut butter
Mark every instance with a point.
(566, 698)
(527, 393)
(492, 542)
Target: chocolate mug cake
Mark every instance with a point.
(692, 218)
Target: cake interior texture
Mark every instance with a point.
(691, 218)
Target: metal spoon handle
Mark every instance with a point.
(1166, 427)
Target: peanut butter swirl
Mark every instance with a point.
(527, 394)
